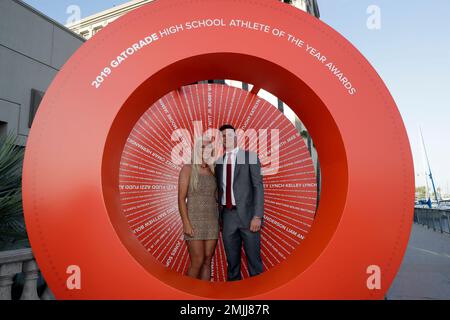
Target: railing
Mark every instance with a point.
(19, 274)
(436, 219)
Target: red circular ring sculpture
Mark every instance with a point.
(71, 164)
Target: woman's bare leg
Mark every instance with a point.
(196, 253)
(209, 248)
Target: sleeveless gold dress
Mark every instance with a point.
(202, 209)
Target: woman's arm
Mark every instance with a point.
(183, 186)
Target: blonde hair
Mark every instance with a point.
(197, 159)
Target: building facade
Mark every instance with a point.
(89, 26)
(33, 48)
(309, 6)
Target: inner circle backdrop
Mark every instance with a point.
(149, 177)
(72, 160)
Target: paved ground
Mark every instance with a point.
(425, 271)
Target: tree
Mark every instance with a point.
(13, 233)
(421, 192)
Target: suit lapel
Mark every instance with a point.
(237, 165)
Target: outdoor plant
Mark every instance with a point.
(13, 234)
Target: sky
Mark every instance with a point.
(410, 51)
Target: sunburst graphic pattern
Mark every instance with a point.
(148, 181)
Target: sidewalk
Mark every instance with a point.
(425, 271)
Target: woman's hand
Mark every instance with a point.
(188, 230)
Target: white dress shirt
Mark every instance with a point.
(231, 154)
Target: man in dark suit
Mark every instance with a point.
(241, 202)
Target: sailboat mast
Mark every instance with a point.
(429, 167)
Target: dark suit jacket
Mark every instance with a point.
(248, 185)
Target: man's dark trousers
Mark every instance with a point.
(234, 235)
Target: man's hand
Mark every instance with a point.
(255, 224)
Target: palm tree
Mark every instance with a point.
(13, 234)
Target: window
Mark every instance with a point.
(36, 98)
(3, 128)
(85, 34)
(97, 29)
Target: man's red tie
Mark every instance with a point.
(229, 203)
